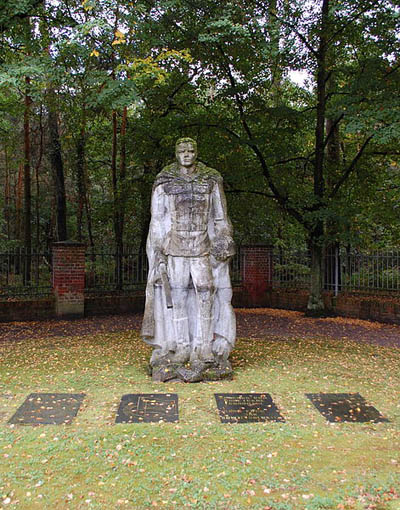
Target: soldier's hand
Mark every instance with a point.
(223, 248)
(160, 258)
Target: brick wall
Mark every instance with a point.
(375, 308)
(27, 310)
(256, 291)
(69, 278)
(256, 274)
(117, 304)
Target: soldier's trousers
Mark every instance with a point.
(184, 273)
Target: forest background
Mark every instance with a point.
(94, 95)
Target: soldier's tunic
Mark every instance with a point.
(189, 227)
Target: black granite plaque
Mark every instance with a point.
(338, 407)
(247, 408)
(147, 408)
(48, 409)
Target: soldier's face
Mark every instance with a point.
(186, 154)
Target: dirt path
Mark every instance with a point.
(254, 323)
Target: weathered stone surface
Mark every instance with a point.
(48, 409)
(148, 408)
(218, 371)
(188, 316)
(195, 371)
(164, 373)
(247, 408)
(350, 407)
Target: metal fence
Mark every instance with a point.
(108, 270)
(236, 266)
(291, 269)
(344, 271)
(362, 272)
(25, 274)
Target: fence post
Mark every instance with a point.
(69, 278)
(257, 270)
(336, 270)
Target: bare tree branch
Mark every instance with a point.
(299, 34)
(351, 21)
(290, 160)
(350, 168)
(7, 19)
(252, 192)
(332, 130)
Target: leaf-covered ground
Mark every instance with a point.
(199, 463)
(251, 323)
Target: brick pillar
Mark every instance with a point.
(257, 269)
(69, 278)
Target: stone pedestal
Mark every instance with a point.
(69, 278)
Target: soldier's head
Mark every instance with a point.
(186, 152)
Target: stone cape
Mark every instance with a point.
(157, 327)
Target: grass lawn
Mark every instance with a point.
(199, 463)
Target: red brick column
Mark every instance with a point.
(69, 278)
(257, 270)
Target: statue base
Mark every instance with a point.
(166, 370)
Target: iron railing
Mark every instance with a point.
(109, 270)
(25, 273)
(236, 267)
(351, 271)
(291, 269)
(344, 271)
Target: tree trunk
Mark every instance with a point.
(122, 175)
(27, 186)
(80, 181)
(114, 177)
(144, 187)
(58, 175)
(119, 194)
(332, 250)
(315, 303)
(89, 225)
(7, 195)
(82, 187)
(37, 167)
(18, 203)
(274, 35)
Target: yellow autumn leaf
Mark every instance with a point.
(119, 35)
(94, 53)
(87, 5)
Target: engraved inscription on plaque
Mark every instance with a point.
(247, 408)
(48, 409)
(147, 408)
(350, 407)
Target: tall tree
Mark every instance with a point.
(236, 48)
(57, 166)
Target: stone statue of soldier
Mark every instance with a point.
(189, 319)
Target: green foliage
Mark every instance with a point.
(374, 278)
(292, 275)
(221, 72)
